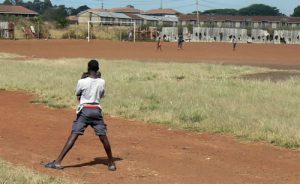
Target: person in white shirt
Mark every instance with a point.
(90, 89)
(234, 42)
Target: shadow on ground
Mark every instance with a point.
(96, 161)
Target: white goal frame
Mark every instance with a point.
(112, 22)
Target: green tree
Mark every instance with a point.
(58, 14)
(296, 12)
(73, 11)
(221, 12)
(260, 9)
(7, 2)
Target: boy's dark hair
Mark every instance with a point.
(93, 65)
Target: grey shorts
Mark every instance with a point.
(92, 117)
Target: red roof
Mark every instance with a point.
(239, 18)
(72, 18)
(125, 10)
(161, 11)
(294, 19)
(10, 9)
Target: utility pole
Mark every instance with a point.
(102, 6)
(161, 4)
(197, 4)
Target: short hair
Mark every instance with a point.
(93, 65)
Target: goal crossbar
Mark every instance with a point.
(112, 22)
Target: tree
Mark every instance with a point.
(58, 14)
(73, 11)
(296, 12)
(221, 12)
(7, 2)
(260, 10)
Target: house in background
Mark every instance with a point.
(16, 11)
(102, 15)
(228, 21)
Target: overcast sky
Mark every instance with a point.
(185, 6)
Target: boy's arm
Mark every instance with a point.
(78, 91)
(103, 91)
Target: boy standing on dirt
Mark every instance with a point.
(234, 42)
(89, 90)
(159, 44)
(180, 41)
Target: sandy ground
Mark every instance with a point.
(33, 134)
(275, 56)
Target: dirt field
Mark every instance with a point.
(275, 56)
(33, 134)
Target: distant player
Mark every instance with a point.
(159, 44)
(180, 41)
(89, 90)
(234, 42)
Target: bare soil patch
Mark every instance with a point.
(266, 55)
(273, 76)
(32, 134)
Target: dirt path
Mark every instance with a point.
(31, 134)
(270, 55)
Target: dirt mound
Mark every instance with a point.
(33, 134)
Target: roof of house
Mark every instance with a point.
(161, 11)
(112, 14)
(94, 10)
(10, 9)
(72, 18)
(134, 16)
(294, 19)
(147, 17)
(126, 9)
(239, 18)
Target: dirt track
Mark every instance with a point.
(275, 56)
(31, 134)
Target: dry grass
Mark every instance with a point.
(20, 175)
(196, 97)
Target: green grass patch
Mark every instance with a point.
(20, 175)
(198, 97)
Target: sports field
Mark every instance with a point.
(251, 103)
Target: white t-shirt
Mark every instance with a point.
(90, 90)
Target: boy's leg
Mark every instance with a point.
(106, 145)
(69, 144)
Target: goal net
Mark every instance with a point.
(112, 30)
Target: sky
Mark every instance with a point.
(185, 6)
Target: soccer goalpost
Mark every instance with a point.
(111, 23)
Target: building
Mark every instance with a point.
(254, 22)
(102, 15)
(129, 15)
(149, 20)
(16, 11)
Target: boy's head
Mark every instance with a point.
(93, 65)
